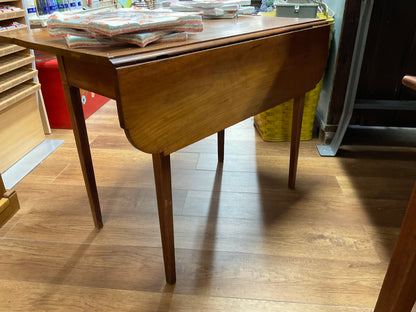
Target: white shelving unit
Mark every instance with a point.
(21, 127)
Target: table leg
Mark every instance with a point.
(161, 168)
(76, 113)
(298, 104)
(398, 291)
(221, 135)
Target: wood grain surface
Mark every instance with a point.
(244, 241)
(168, 104)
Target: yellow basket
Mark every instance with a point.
(275, 124)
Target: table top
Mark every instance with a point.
(216, 33)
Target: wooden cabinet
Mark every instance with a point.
(21, 126)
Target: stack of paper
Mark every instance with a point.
(137, 26)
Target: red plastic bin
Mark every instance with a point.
(54, 96)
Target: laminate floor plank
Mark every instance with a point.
(142, 176)
(374, 187)
(312, 165)
(287, 239)
(293, 279)
(208, 273)
(309, 207)
(71, 200)
(47, 297)
(84, 264)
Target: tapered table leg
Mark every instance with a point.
(161, 168)
(398, 293)
(221, 135)
(298, 105)
(76, 113)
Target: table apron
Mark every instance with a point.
(96, 77)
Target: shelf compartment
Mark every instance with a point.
(16, 77)
(12, 96)
(9, 48)
(21, 28)
(11, 15)
(14, 61)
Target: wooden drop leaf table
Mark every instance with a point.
(172, 95)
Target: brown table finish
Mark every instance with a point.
(398, 293)
(171, 95)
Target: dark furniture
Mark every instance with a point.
(398, 291)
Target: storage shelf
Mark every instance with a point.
(23, 118)
(43, 19)
(12, 30)
(8, 48)
(16, 77)
(14, 61)
(13, 14)
(11, 96)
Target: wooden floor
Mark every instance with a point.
(244, 241)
